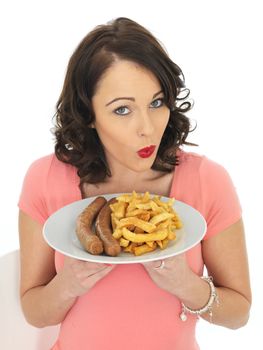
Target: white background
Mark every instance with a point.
(218, 46)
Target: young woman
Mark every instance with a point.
(120, 125)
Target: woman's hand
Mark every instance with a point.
(174, 275)
(78, 277)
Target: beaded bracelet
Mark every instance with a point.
(207, 308)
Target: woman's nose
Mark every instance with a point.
(145, 125)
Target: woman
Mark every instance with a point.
(122, 94)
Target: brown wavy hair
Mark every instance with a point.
(76, 142)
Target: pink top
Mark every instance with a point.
(126, 309)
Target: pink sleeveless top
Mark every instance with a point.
(126, 309)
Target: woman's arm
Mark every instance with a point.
(46, 297)
(225, 257)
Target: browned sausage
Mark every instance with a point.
(104, 230)
(89, 240)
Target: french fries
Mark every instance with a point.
(141, 224)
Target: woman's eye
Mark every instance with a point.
(157, 103)
(122, 110)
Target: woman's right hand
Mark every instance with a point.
(78, 277)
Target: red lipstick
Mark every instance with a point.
(146, 151)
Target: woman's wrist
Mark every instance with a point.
(207, 308)
(193, 291)
(61, 283)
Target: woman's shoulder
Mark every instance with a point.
(189, 163)
(199, 162)
(38, 170)
(189, 158)
(210, 177)
(200, 171)
(48, 172)
(48, 185)
(44, 164)
(206, 185)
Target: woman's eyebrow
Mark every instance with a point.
(129, 98)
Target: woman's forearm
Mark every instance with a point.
(46, 305)
(232, 310)
(49, 304)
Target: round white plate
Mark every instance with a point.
(59, 233)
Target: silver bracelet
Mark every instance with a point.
(207, 308)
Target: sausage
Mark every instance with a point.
(104, 230)
(89, 240)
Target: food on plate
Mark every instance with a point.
(104, 230)
(133, 223)
(87, 237)
(141, 223)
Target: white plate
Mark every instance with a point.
(59, 233)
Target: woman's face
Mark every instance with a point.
(129, 115)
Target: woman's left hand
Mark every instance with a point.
(173, 276)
